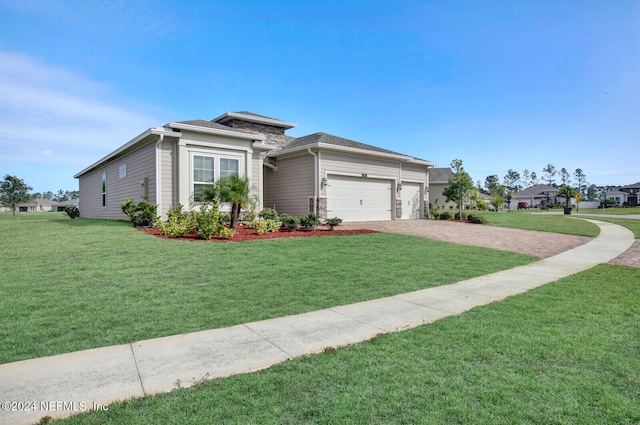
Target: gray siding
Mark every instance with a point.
(338, 162)
(140, 165)
(290, 187)
(168, 176)
(414, 173)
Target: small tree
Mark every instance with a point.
(234, 190)
(459, 186)
(549, 173)
(14, 191)
(567, 192)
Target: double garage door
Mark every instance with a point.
(366, 199)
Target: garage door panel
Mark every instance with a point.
(358, 199)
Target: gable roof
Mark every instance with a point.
(330, 139)
(438, 175)
(536, 190)
(321, 139)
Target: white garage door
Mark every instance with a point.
(358, 198)
(411, 205)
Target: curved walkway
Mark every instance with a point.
(69, 383)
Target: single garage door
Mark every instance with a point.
(411, 205)
(358, 198)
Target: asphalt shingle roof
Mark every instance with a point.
(536, 190)
(440, 175)
(330, 139)
(210, 124)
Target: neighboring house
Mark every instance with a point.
(534, 195)
(38, 204)
(626, 195)
(332, 176)
(438, 182)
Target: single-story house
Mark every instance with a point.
(534, 195)
(39, 204)
(329, 175)
(626, 195)
(438, 182)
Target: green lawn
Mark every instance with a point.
(69, 285)
(614, 211)
(542, 222)
(565, 353)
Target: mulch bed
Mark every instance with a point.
(245, 234)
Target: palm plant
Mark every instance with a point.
(567, 192)
(234, 190)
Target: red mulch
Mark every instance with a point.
(245, 234)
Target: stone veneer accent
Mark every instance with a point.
(274, 135)
(398, 208)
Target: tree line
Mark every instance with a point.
(514, 182)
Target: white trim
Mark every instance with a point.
(120, 168)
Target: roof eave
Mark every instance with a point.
(131, 143)
(228, 116)
(328, 146)
(216, 131)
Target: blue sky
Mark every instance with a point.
(498, 84)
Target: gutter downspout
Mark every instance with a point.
(315, 180)
(159, 176)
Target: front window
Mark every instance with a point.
(203, 175)
(229, 168)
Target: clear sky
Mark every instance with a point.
(498, 84)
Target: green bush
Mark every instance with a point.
(269, 214)
(460, 216)
(180, 223)
(208, 221)
(444, 215)
(482, 204)
(291, 222)
(248, 216)
(310, 221)
(141, 215)
(265, 226)
(333, 222)
(476, 219)
(72, 211)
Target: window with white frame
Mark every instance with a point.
(229, 168)
(104, 190)
(209, 168)
(122, 172)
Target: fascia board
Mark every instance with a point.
(131, 143)
(216, 131)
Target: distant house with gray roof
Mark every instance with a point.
(322, 173)
(536, 194)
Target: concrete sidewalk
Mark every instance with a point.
(62, 385)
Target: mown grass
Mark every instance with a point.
(541, 222)
(629, 223)
(612, 211)
(565, 353)
(69, 285)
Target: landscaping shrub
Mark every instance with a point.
(444, 215)
(72, 211)
(291, 222)
(333, 222)
(208, 221)
(180, 223)
(476, 219)
(142, 214)
(265, 226)
(310, 221)
(269, 214)
(460, 216)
